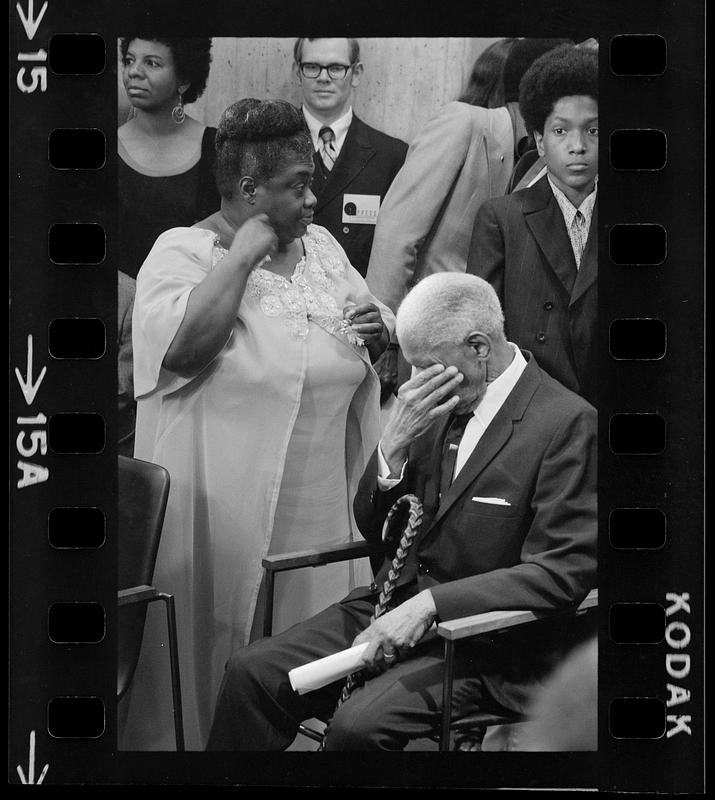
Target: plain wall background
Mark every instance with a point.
(405, 82)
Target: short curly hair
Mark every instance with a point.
(256, 137)
(564, 72)
(192, 59)
(445, 307)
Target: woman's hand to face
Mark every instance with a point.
(253, 241)
(366, 321)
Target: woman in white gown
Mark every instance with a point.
(253, 344)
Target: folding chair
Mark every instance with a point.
(471, 730)
(143, 494)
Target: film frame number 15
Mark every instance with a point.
(37, 74)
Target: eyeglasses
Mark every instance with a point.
(335, 71)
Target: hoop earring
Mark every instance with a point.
(177, 112)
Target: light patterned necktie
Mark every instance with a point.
(327, 149)
(578, 236)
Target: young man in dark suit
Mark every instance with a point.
(538, 247)
(354, 163)
(503, 458)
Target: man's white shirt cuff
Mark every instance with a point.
(384, 481)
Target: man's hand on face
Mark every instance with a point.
(421, 400)
(397, 630)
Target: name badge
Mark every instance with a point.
(361, 208)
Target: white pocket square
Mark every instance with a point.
(494, 501)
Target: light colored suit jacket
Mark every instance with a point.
(462, 157)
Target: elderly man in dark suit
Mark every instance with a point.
(538, 247)
(355, 164)
(504, 460)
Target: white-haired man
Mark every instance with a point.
(509, 524)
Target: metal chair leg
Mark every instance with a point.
(268, 612)
(175, 677)
(447, 694)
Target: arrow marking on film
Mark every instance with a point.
(28, 22)
(29, 389)
(30, 779)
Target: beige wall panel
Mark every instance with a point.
(406, 80)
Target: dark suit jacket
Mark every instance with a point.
(538, 552)
(521, 246)
(368, 161)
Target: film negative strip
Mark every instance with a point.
(63, 575)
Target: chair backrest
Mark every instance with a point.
(143, 493)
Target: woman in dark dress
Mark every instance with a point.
(166, 157)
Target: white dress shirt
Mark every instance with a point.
(339, 128)
(494, 397)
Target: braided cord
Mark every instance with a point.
(388, 587)
(403, 548)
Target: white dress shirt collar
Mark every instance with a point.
(494, 397)
(500, 388)
(340, 128)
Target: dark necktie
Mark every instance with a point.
(327, 149)
(450, 446)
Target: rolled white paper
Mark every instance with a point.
(320, 673)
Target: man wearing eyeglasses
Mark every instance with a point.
(354, 163)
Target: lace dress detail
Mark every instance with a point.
(306, 296)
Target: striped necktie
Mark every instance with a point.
(327, 149)
(578, 236)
